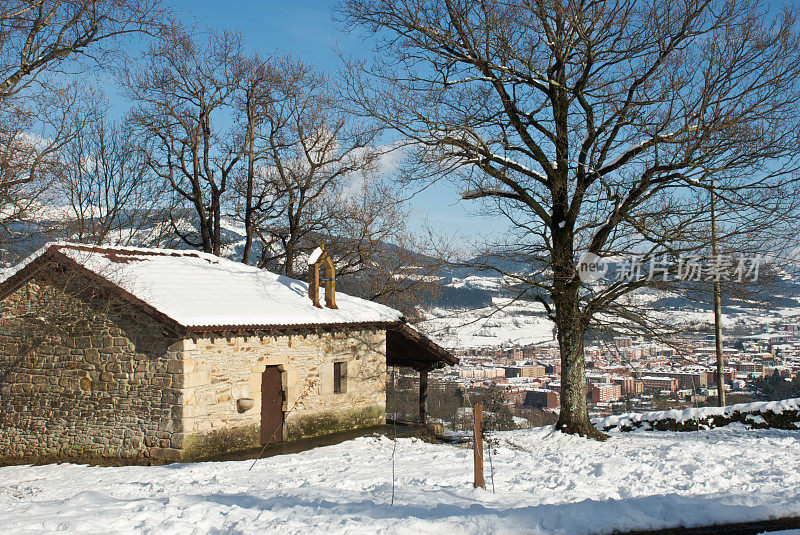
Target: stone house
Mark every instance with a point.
(155, 355)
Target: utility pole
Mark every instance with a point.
(717, 303)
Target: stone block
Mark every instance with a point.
(198, 378)
(66, 382)
(91, 356)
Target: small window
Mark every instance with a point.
(339, 377)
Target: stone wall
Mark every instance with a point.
(85, 376)
(782, 414)
(220, 370)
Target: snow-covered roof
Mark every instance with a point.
(202, 290)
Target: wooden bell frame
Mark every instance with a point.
(329, 279)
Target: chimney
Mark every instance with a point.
(320, 257)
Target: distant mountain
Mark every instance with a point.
(477, 307)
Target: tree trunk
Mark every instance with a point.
(205, 235)
(571, 326)
(248, 238)
(288, 267)
(248, 199)
(217, 212)
(574, 415)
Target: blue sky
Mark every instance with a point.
(304, 27)
(307, 29)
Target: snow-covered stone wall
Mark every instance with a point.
(783, 414)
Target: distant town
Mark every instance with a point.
(628, 373)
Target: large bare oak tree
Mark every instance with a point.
(592, 126)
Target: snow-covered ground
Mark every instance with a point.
(545, 482)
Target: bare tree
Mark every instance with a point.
(592, 127)
(109, 190)
(39, 35)
(31, 138)
(185, 95)
(255, 196)
(309, 174)
(42, 44)
(303, 156)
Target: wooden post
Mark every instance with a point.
(313, 284)
(477, 444)
(423, 397)
(330, 281)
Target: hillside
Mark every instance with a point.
(486, 315)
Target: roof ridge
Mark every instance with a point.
(129, 249)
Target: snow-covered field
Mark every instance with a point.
(524, 322)
(504, 323)
(545, 482)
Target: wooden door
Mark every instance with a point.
(271, 406)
